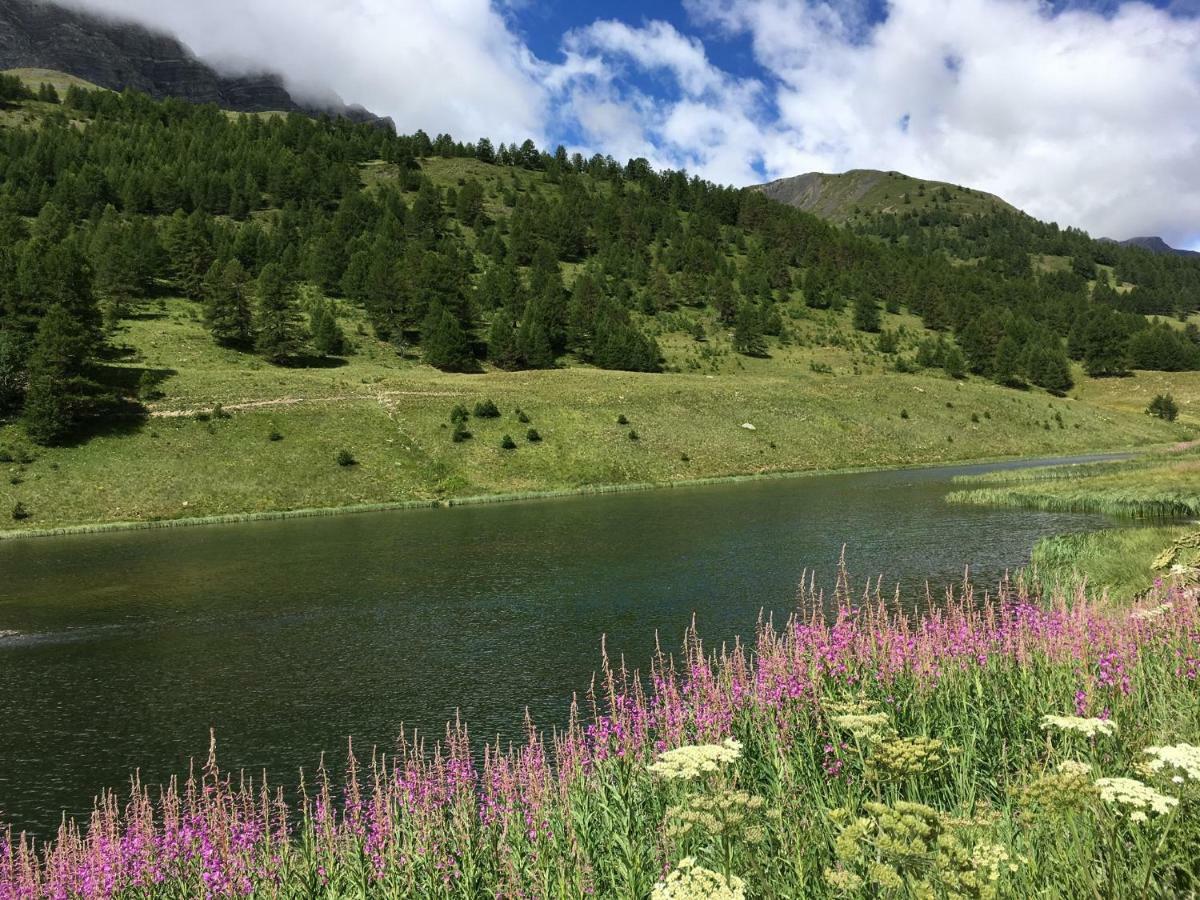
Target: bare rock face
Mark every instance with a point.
(120, 55)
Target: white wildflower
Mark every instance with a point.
(688, 881)
(1131, 792)
(1074, 767)
(1088, 727)
(695, 760)
(861, 724)
(1184, 757)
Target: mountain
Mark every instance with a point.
(1154, 244)
(840, 198)
(118, 55)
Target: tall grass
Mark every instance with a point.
(1121, 560)
(860, 753)
(1161, 486)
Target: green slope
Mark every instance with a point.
(859, 192)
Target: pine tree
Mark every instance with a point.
(445, 343)
(227, 304)
(280, 334)
(866, 313)
(534, 343)
(13, 361)
(327, 336)
(502, 341)
(59, 392)
(1006, 364)
(748, 332)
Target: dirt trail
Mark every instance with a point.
(380, 397)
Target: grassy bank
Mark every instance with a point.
(1164, 485)
(1119, 561)
(1037, 746)
(813, 407)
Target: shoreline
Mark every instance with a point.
(7, 535)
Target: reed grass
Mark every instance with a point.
(1117, 561)
(1160, 486)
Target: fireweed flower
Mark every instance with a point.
(1183, 757)
(1131, 792)
(688, 881)
(1087, 727)
(694, 760)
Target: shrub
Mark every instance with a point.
(219, 412)
(459, 414)
(1164, 407)
(507, 443)
(274, 435)
(532, 436)
(486, 409)
(6, 455)
(202, 415)
(633, 435)
(622, 420)
(975, 418)
(460, 433)
(904, 413)
(346, 458)
(19, 512)
(683, 457)
(522, 417)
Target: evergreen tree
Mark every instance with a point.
(1006, 363)
(59, 391)
(327, 336)
(503, 350)
(227, 304)
(748, 332)
(445, 343)
(534, 344)
(279, 332)
(866, 313)
(13, 360)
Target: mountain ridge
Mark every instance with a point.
(120, 54)
(839, 197)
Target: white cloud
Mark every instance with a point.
(1079, 117)
(449, 65)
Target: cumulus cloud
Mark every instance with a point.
(1082, 117)
(1080, 111)
(449, 65)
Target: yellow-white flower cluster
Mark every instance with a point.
(991, 859)
(1074, 767)
(861, 725)
(1131, 792)
(1182, 757)
(1088, 727)
(694, 760)
(688, 881)
(1153, 612)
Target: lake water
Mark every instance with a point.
(287, 636)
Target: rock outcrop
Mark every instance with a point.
(120, 55)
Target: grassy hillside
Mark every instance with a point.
(392, 414)
(861, 193)
(679, 263)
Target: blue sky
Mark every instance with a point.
(1084, 113)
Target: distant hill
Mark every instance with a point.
(1154, 244)
(839, 198)
(119, 55)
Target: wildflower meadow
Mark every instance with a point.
(1008, 745)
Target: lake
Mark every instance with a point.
(287, 636)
